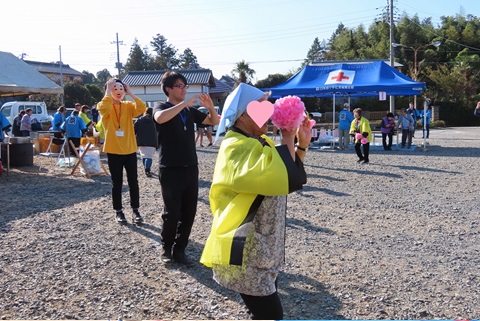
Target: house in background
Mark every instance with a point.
(146, 85)
(52, 71)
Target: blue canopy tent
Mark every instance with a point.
(348, 79)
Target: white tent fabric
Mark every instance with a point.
(19, 78)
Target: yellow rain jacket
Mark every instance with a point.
(245, 169)
(362, 127)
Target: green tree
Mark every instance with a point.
(272, 80)
(188, 60)
(138, 59)
(166, 54)
(89, 78)
(242, 72)
(75, 92)
(96, 92)
(316, 52)
(103, 76)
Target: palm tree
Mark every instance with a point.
(242, 72)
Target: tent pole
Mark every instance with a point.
(333, 114)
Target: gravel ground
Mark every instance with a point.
(394, 239)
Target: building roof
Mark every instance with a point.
(220, 87)
(154, 77)
(53, 68)
(19, 78)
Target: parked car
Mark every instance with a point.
(12, 108)
(205, 110)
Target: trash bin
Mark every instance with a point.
(21, 154)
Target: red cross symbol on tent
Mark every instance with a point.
(340, 76)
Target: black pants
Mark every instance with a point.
(76, 142)
(180, 194)
(264, 307)
(384, 140)
(426, 129)
(366, 151)
(406, 138)
(116, 163)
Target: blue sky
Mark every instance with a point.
(273, 36)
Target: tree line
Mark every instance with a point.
(444, 56)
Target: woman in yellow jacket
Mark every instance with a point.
(362, 132)
(120, 143)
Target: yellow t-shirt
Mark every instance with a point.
(118, 125)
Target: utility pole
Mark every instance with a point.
(118, 65)
(392, 54)
(61, 73)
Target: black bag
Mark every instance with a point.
(36, 126)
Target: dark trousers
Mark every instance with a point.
(76, 143)
(406, 138)
(426, 129)
(366, 151)
(264, 307)
(116, 163)
(180, 194)
(384, 140)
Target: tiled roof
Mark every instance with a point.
(53, 68)
(153, 77)
(220, 87)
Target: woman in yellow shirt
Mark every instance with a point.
(120, 143)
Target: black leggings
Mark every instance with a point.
(264, 307)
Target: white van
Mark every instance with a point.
(12, 108)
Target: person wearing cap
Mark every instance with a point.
(248, 199)
(178, 173)
(120, 143)
(387, 128)
(345, 118)
(78, 107)
(83, 115)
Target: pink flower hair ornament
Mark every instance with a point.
(289, 112)
(364, 141)
(358, 136)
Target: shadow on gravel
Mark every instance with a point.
(302, 297)
(295, 224)
(306, 298)
(421, 169)
(354, 168)
(25, 192)
(306, 189)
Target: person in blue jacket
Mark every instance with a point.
(5, 126)
(345, 118)
(58, 119)
(426, 126)
(476, 112)
(75, 128)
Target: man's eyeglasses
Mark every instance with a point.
(181, 86)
